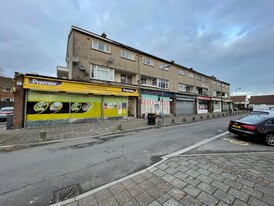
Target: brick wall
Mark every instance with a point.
(19, 102)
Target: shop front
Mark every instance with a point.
(227, 105)
(154, 102)
(54, 101)
(184, 104)
(216, 105)
(203, 104)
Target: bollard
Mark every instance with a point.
(119, 128)
(159, 123)
(43, 136)
(172, 121)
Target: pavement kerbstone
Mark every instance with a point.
(89, 200)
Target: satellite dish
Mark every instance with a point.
(75, 59)
(82, 68)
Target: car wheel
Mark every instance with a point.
(269, 139)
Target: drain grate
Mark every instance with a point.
(67, 193)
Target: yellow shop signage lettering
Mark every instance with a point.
(44, 82)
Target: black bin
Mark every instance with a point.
(151, 118)
(9, 122)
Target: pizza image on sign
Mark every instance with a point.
(40, 107)
(86, 107)
(56, 106)
(75, 107)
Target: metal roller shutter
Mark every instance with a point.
(184, 107)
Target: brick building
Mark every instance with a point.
(6, 93)
(181, 90)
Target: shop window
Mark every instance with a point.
(100, 46)
(127, 55)
(102, 73)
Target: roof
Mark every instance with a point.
(6, 82)
(264, 99)
(238, 98)
(137, 51)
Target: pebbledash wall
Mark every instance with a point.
(51, 101)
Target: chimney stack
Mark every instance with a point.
(104, 35)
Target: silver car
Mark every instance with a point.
(4, 112)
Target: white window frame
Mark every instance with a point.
(96, 45)
(181, 72)
(94, 71)
(160, 82)
(148, 61)
(127, 55)
(182, 87)
(164, 66)
(214, 93)
(191, 75)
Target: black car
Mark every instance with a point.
(255, 126)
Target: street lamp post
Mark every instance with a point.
(162, 86)
(236, 91)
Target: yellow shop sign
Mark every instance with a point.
(56, 85)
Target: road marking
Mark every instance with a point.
(233, 141)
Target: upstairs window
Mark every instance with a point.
(182, 87)
(213, 82)
(162, 83)
(218, 84)
(164, 66)
(102, 73)
(100, 46)
(190, 75)
(127, 55)
(214, 93)
(181, 72)
(199, 77)
(7, 89)
(126, 79)
(148, 61)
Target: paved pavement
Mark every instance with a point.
(13, 139)
(219, 179)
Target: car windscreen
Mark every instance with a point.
(7, 109)
(259, 113)
(254, 119)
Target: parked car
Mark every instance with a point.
(4, 111)
(260, 125)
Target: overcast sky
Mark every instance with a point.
(230, 39)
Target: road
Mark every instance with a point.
(32, 176)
